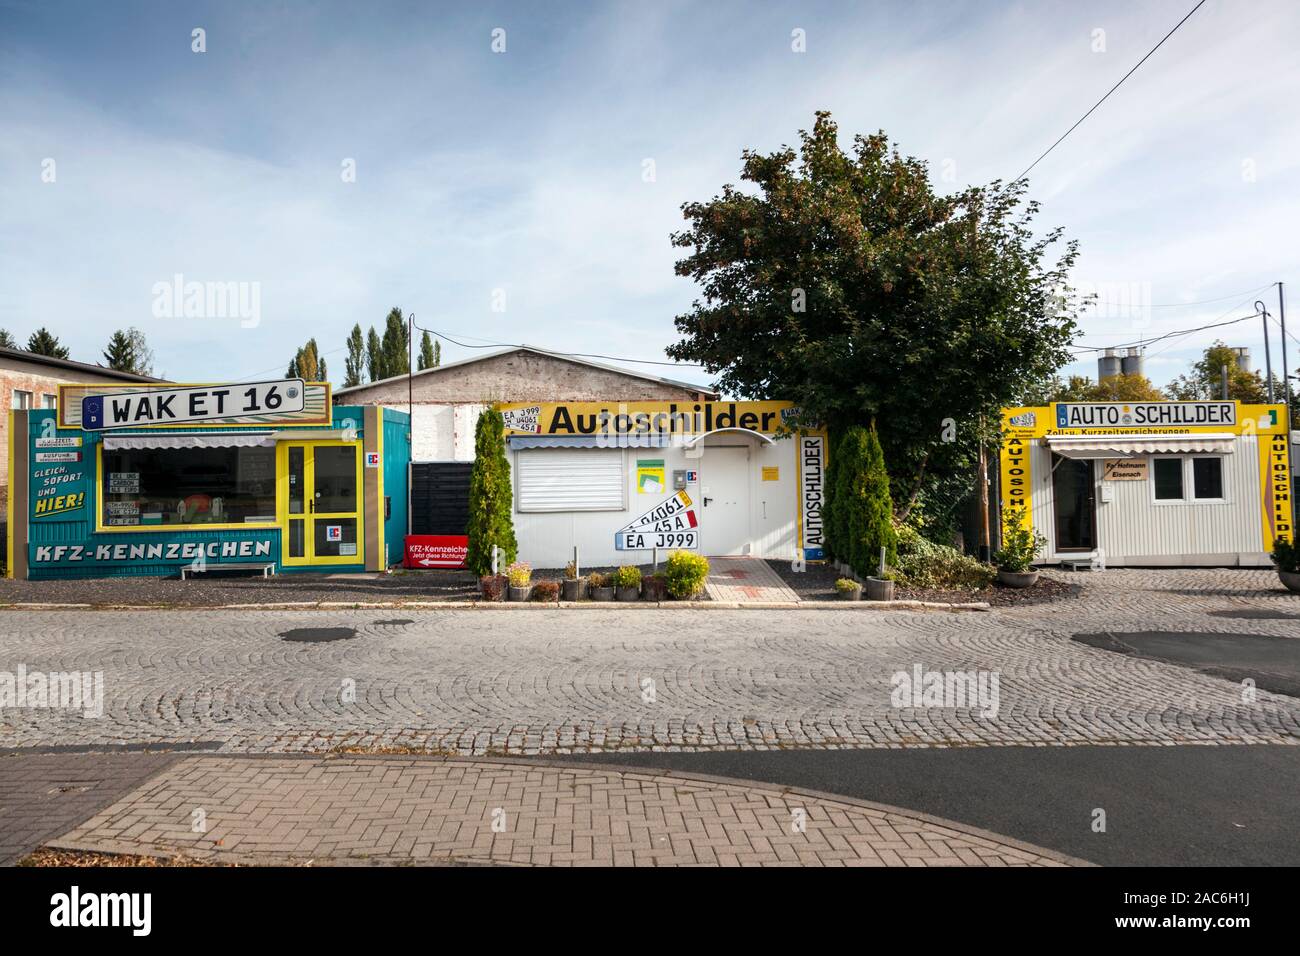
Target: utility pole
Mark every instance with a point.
(1268, 361)
(1286, 377)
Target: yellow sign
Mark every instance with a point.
(650, 477)
(643, 420)
(771, 473)
(1124, 469)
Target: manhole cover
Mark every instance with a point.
(319, 635)
(1256, 614)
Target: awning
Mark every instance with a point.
(588, 441)
(1133, 446)
(192, 440)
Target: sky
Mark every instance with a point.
(339, 159)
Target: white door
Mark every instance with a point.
(724, 501)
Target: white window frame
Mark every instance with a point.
(49, 400)
(1189, 482)
(523, 455)
(1166, 502)
(1223, 481)
(31, 399)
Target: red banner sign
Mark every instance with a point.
(436, 550)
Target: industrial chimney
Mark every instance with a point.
(1108, 365)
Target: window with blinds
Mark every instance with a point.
(570, 479)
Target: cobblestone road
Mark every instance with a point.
(487, 682)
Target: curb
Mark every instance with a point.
(860, 606)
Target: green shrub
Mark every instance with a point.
(861, 521)
(627, 576)
(519, 574)
(491, 500)
(1020, 542)
(685, 573)
(925, 565)
(597, 579)
(1286, 556)
(844, 585)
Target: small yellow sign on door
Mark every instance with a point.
(771, 473)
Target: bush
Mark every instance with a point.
(491, 500)
(844, 585)
(519, 574)
(1286, 556)
(1020, 542)
(597, 580)
(685, 573)
(925, 565)
(546, 591)
(861, 511)
(627, 576)
(493, 588)
(570, 572)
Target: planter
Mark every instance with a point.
(1290, 579)
(629, 594)
(602, 594)
(492, 589)
(852, 594)
(574, 589)
(878, 589)
(520, 594)
(1017, 579)
(654, 589)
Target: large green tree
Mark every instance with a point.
(397, 357)
(429, 357)
(374, 355)
(1205, 380)
(860, 502)
(127, 351)
(354, 366)
(7, 341)
(845, 283)
(45, 342)
(491, 500)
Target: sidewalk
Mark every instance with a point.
(746, 580)
(403, 810)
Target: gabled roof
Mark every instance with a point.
(565, 357)
(23, 356)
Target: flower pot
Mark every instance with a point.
(492, 589)
(574, 589)
(1017, 579)
(521, 594)
(629, 593)
(878, 589)
(602, 594)
(1291, 580)
(852, 594)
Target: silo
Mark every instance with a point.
(1108, 364)
(1131, 363)
(1243, 358)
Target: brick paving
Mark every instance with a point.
(746, 580)
(556, 681)
(43, 794)
(404, 810)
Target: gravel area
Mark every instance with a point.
(818, 584)
(216, 590)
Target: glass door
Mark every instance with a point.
(321, 499)
(1074, 502)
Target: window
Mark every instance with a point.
(188, 486)
(1169, 478)
(570, 479)
(1207, 478)
(22, 399)
(49, 401)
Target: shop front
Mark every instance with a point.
(156, 480)
(1150, 483)
(621, 480)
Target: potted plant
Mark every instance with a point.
(547, 592)
(627, 581)
(880, 587)
(1020, 546)
(492, 587)
(685, 573)
(520, 576)
(1286, 556)
(574, 587)
(654, 587)
(600, 587)
(846, 589)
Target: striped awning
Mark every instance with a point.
(588, 441)
(191, 440)
(1134, 446)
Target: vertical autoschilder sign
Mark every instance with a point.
(812, 495)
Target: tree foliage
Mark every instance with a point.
(844, 283)
(45, 342)
(1080, 388)
(308, 364)
(395, 349)
(354, 366)
(127, 351)
(1205, 381)
(862, 512)
(374, 355)
(7, 341)
(429, 353)
(491, 500)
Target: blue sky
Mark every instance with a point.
(522, 171)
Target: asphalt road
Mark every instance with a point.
(1165, 806)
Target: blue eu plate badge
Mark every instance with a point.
(92, 412)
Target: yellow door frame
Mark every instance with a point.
(310, 516)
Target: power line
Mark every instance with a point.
(511, 345)
(1225, 298)
(1111, 90)
(1167, 335)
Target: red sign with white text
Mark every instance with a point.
(436, 550)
